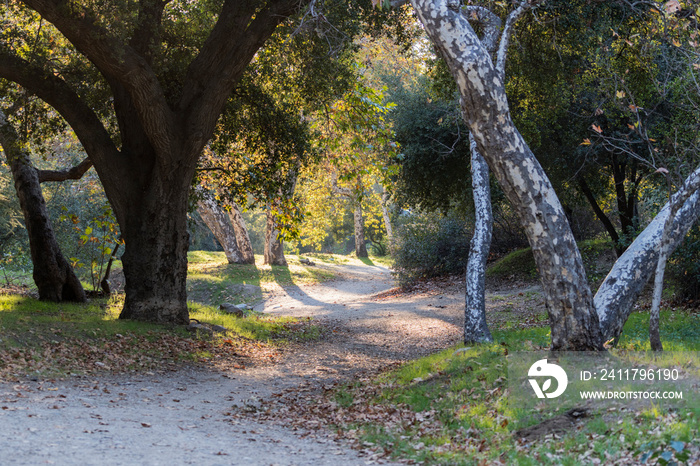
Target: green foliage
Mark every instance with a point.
(429, 245)
(684, 267)
(434, 160)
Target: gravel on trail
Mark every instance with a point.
(183, 416)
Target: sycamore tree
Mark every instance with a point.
(575, 318)
(167, 68)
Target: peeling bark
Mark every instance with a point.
(53, 275)
(274, 247)
(242, 238)
(573, 319)
(475, 328)
(220, 225)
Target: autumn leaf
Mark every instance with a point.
(596, 128)
(586, 142)
(661, 170)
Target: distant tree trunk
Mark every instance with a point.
(360, 246)
(475, 328)
(274, 248)
(220, 225)
(242, 238)
(605, 220)
(386, 217)
(569, 301)
(53, 275)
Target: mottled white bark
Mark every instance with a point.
(573, 319)
(273, 253)
(242, 238)
(475, 328)
(220, 225)
(386, 217)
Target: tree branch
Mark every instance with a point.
(513, 18)
(53, 90)
(117, 62)
(73, 173)
(489, 21)
(239, 33)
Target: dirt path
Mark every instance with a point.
(182, 417)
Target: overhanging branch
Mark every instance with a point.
(73, 173)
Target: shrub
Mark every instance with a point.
(429, 245)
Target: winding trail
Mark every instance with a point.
(181, 417)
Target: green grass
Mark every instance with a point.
(454, 408)
(521, 264)
(212, 280)
(48, 339)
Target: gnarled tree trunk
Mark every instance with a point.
(242, 238)
(274, 248)
(53, 275)
(220, 225)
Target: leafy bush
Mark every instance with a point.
(429, 245)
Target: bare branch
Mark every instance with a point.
(73, 173)
(513, 18)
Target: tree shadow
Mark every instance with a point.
(367, 261)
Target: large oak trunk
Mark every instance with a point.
(155, 259)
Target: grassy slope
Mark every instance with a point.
(453, 408)
(48, 339)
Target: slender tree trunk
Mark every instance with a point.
(220, 225)
(242, 238)
(475, 328)
(359, 223)
(573, 319)
(53, 275)
(607, 223)
(274, 247)
(387, 218)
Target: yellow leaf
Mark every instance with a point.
(620, 94)
(586, 142)
(676, 43)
